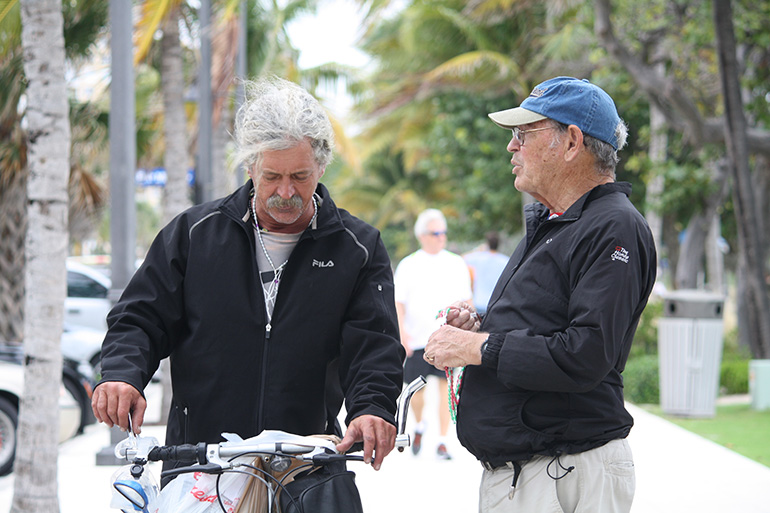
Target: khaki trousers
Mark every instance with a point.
(602, 481)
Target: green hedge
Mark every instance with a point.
(734, 377)
(640, 380)
(642, 386)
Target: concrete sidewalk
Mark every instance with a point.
(676, 472)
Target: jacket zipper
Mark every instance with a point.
(261, 405)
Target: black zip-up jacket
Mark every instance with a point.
(198, 299)
(561, 321)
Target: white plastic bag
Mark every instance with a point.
(196, 492)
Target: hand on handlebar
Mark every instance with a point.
(113, 400)
(377, 434)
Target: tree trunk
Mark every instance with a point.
(36, 486)
(176, 194)
(692, 250)
(715, 262)
(13, 229)
(750, 237)
(658, 146)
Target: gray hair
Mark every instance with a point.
(424, 219)
(277, 115)
(606, 156)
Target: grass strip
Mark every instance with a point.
(736, 426)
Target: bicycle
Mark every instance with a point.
(293, 471)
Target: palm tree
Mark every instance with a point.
(176, 159)
(35, 487)
(424, 53)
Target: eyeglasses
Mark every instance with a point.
(437, 234)
(518, 133)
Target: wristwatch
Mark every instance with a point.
(484, 347)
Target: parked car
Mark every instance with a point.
(87, 302)
(11, 388)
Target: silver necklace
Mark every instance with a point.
(271, 290)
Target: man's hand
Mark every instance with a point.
(378, 435)
(449, 346)
(463, 316)
(112, 401)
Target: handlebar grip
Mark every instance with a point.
(326, 458)
(185, 453)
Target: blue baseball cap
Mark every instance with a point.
(570, 101)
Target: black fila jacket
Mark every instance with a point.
(562, 318)
(198, 299)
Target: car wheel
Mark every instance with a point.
(9, 417)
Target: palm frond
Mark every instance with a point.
(224, 53)
(153, 12)
(477, 70)
(10, 26)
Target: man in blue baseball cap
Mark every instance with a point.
(541, 404)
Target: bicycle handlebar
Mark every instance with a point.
(277, 446)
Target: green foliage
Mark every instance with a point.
(734, 371)
(734, 377)
(646, 336)
(465, 148)
(640, 380)
(84, 23)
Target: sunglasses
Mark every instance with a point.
(437, 234)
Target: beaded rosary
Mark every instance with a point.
(454, 387)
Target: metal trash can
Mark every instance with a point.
(759, 384)
(690, 340)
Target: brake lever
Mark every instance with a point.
(403, 440)
(208, 468)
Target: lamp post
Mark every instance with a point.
(122, 169)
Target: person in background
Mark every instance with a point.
(426, 281)
(486, 265)
(541, 404)
(272, 303)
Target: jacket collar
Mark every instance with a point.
(537, 212)
(574, 211)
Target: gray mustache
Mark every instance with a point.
(276, 201)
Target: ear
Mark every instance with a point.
(574, 143)
(323, 170)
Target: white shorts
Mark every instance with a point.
(602, 481)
